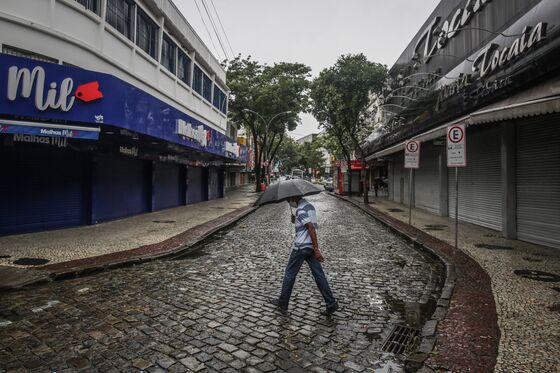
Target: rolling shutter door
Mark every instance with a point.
(400, 182)
(426, 179)
(194, 185)
(119, 188)
(167, 186)
(538, 181)
(212, 183)
(41, 189)
(480, 196)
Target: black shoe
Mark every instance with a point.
(280, 306)
(330, 310)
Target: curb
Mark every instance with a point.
(44, 276)
(429, 330)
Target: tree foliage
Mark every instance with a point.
(341, 102)
(268, 91)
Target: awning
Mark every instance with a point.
(48, 130)
(539, 100)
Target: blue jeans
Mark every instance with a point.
(294, 264)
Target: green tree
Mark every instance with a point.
(288, 155)
(267, 91)
(311, 156)
(341, 102)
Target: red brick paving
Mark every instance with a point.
(468, 338)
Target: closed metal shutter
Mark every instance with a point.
(538, 180)
(426, 179)
(120, 188)
(40, 189)
(400, 180)
(194, 185)
(212, 183)
(480, 196)
(167, 186)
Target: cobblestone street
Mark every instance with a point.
(210, 310)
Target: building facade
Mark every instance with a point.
(493, 66)
(108, 108)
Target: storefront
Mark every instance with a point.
(495, 68)
(81, 147)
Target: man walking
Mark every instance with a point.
(305, 248)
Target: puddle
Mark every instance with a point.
(31, 261)
(165, 221)
(414, 314)
(395, 210)
(191, 254)
(529, 259)
(4, 256)
(537, 275)
(492, 247)
(388, 363)
(434, 227)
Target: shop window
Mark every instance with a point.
(18, 52)
(120, 15)
(92, 5)
(184, 68)
(146, 33)
(168, 53)
(206, 87)
(197, 80)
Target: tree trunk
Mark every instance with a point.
(257, 165)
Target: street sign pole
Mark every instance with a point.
(456, 207)
(410, 198)
(411, 161)
(456, 157)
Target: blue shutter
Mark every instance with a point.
(194, 179)
(167, 186)
(120, 188)
(41, 188)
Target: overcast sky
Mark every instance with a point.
(313, 32)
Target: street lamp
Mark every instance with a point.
(267, 125)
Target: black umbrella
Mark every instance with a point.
(283, 190)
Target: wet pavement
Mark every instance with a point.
(209, 310)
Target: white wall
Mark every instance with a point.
(64, 30)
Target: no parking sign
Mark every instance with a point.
(456, 146)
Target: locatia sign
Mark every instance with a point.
(456, 146)
(412, 154)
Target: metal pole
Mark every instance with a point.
(456, 206)
(410, 199)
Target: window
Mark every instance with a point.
(220, 100)
(146, 33)
(206, 87)
(120, 15)
(18, 52)
(168, 49)
(184, 68)
(92, 5)
(197, 80)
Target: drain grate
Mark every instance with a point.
(537, 275)
(31, 261)
(402, 340)
(395, 210)
(492, 247)
(434, 227)
(165, 221)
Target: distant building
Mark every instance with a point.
(308, 138)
